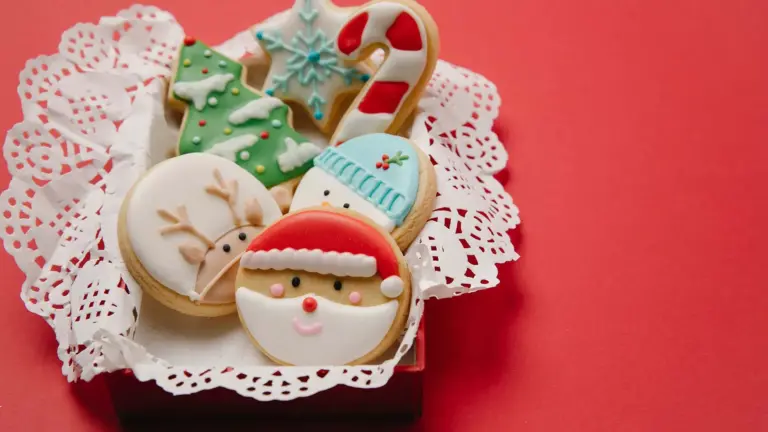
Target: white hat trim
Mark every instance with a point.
(313, 261)
(392, 286)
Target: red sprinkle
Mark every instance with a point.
(378, 164)
(205, 70)
(189, 41)
(201, 122)
(386, 166)
(264, 135)
(384, 157)
(309, 304)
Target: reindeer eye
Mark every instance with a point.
(327, 192)
(337, 285)
(226, 248)
(346, 205)
(295, 281)
(242, 236)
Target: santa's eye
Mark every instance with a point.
(326, 192)
(346, 205)
(226, 248)
(295, 281)
(242, 236)
(337, 285)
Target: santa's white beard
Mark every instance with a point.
(334, 334)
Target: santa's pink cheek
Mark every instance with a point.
(355, 297)
(277, 290)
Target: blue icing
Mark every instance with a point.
(359, 164)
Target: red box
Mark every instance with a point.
(399, 398)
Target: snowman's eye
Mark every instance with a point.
(226, 248)
(346, 205)
(295, 281)
(326, 192)
(242, 236)
(337, 285)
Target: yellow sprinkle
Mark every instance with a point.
(235, 91)
(260, 169)
(227, 131)
(187, 62)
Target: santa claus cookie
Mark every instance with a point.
(385, 177)
(225, 117)
(183, 226)
(305, 66)
(323, 287)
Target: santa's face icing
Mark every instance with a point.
(304, 318)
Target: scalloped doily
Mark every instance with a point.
(89, 113)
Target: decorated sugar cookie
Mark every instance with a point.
(385, 177)
(305, 65)
(183, 226)
(323, 287)
(227, 118)
(409, 35)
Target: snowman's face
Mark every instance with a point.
(320, 188)
(303, 318)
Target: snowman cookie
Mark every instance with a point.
(183, 226)
(384, 177)
(323, 287)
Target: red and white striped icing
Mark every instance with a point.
(403, 32)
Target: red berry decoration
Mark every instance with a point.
(202, 123)
(379, 164)
(189, 41)
(384, 157)
(205, 70)
(264, 135)
(385, 166)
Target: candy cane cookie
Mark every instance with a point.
(408, 34)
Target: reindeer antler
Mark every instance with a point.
(181, 222)
(226, 191)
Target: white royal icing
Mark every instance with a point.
(256, 109)
(346, 333)
(392, 286)
(231, 147)
(198, 91)
(296, 155)
(357, 123)
(182, 181)
(313, 261)
(311, 192)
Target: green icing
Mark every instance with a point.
(260, 159)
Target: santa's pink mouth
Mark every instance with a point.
(306, 329)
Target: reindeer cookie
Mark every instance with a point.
(323, 287)
(385, 177)
(183, 227)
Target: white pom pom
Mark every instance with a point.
(392, 286)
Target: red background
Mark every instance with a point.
(638, 132)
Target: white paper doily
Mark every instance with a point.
(90, 112)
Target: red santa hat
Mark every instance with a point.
(326, 242)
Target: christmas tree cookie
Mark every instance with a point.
(305, 66)
(225, 117)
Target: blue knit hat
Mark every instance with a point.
(382, 168)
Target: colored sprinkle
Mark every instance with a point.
(260, 169)
(270, 92)
(379, 164)
(189, 41)
(318, 115)
(235, 91)
(313, 56)
(259, 35)
(227, 131)
(201, 122)
(222, 64)
(365, 77)
(207, 53)
(205, 70)
(196, 140)
(187, 62)
(244, 155)
(277, 124)
(264, 135)
(212, 101)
